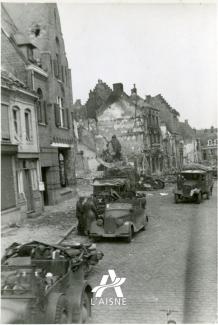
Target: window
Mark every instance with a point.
(30, 54)
(16, 122)
(41, 108)
(5, 134)
(60, 103)
(62, 170)
(27, 117)
(210, 143)
(57, 61)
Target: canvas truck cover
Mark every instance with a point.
(193, 167)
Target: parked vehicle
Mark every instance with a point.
(121, 213)
(114, 209)
(151, 182)
(43, 283)
(193, 182)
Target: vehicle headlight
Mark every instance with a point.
(100, 222)
(119, 222)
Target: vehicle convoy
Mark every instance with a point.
(42, 283)
(115, 209)
(193, 182)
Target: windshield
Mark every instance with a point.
(102, 189)
(193, 177)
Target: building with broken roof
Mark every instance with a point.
(134, 122)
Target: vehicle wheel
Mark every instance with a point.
(176, 198)
(199, 198)
(145, 224)
(131, 234)
(85, 308)
(62, 311)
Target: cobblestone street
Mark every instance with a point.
(172, 265)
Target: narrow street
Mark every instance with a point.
(171, 265)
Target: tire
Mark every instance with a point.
(145, 224)
(62, 311)
(199, 198)
(176, 198)
(85, 311)
(131, 233)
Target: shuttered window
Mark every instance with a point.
(45, 112)
(5, 123)
(68, 118)
(57, 115)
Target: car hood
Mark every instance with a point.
(118, 206)
(117, 210)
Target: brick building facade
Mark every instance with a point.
(48, 74)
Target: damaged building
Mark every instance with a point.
(136, 125)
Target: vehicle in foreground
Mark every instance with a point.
(193, 182)
(42, 283)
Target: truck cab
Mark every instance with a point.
(194, 182)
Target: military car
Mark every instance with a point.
(114, 210)
(43, 283)
(193, 182)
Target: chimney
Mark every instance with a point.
(118, 88)
(186, 122)
(99, 81)
(148, 98)
(212, 129)
(134, 90)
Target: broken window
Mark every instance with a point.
(36, 30)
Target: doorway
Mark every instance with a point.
(44, 179)
(28, 190)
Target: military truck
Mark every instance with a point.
(193, 182)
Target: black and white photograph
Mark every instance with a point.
(109, 162)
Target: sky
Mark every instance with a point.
(162, 48)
